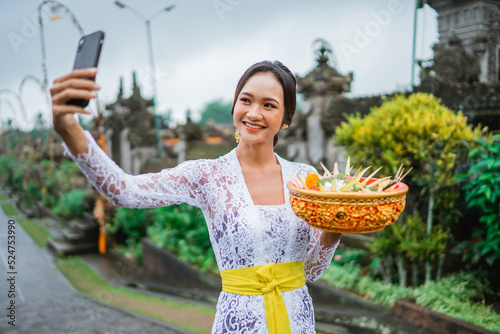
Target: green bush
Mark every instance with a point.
(348, 256)
(460, 296)
(407, 244)
(182, 230)
(44, 181)
(132, 223)
(32, 192)
(482, 191)
(50, 191)
(69, 176)
(71, 204)
(419, 132)
(8, 163)
(345, 277)
(381, 292)
(22, 176)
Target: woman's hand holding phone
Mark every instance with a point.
(71, 93)
(68, 87)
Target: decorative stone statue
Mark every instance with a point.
(321, 87)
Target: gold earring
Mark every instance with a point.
(237, 135)
(284, 126)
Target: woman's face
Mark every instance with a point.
(259, 109)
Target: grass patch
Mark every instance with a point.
(9, 209)
(88, 282)
(36, 231)
(3, 197)
(458, 295)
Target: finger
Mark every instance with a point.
(59, 110)
(71, 93)
(74, 83)
(82, 73)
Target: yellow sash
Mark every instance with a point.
(268, 280)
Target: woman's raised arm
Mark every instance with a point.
(184, 183)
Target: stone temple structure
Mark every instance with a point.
(130, 133)
(476, 24)
(465, 71)
(307, 139)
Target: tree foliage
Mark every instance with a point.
(407, 243)
(218, 111)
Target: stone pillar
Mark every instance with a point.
(125, 157)
(181, 147)
(316, 141)
(483, 66)
(136, 161)
(336, 154)
(297, 148)
(139, 156)
(109, 142)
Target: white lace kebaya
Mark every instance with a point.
(242, 234)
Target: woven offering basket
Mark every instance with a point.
(348, 212)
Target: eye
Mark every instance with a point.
(244, 100)
(269, 105)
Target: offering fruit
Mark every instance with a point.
(337, 182)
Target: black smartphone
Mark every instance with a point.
(87, 56)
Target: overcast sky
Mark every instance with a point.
(202, 47)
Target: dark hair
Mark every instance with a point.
(286, 79)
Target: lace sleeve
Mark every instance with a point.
(318, 257)
(184, 183)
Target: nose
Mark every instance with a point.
(254, 112)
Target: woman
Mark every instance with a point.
(264, 252)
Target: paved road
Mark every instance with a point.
(45, 302)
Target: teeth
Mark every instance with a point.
(253, 126)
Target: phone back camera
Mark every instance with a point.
(80, 44)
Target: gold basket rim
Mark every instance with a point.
(400, 189)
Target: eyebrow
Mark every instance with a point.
(265, 99)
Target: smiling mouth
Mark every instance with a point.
(253, 126)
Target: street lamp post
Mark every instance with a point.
(151, 65)
(417, 2)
